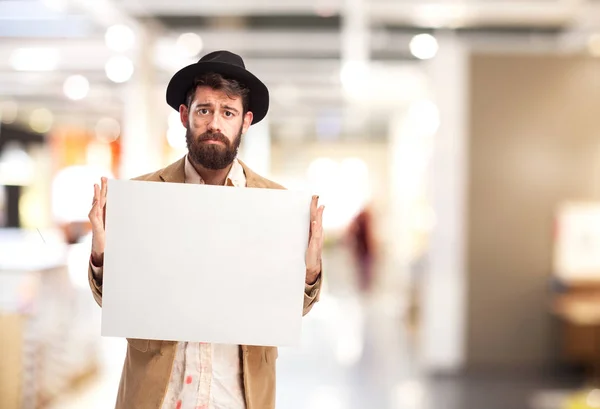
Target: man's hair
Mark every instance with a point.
(232, 88)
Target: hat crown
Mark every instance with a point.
(226, 57)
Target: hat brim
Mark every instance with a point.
(183, 80)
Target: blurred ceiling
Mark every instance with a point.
(298, 47)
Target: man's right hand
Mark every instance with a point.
(97, 218)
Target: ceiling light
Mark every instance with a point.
(119, 69)
(189, 44)
(424, 46)
(34, 59)
(76, 87)
(119, 38)
(41, 120)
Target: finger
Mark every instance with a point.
(319, 217)
(104, 182)
(318, 229)
(313, 212)
(95, 198)
(93, 215)
(313, 207)
(316, 225)
(103, 191)
(104, 214)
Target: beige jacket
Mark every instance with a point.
(148, 363)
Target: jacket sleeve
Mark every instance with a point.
(312, 293)
(95, 281)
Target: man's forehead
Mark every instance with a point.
(205, 95)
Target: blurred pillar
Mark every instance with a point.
(410, 146)
(143, 118)
(355, 55)
(255, 150)
(443, 296)
(355, 32)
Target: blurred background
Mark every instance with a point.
(455, 144)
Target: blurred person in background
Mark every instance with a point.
(361, 239)
(218, 100)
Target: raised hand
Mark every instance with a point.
(97, 218)
(315, 241)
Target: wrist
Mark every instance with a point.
(312, 277)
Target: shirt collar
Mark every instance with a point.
(235, 177)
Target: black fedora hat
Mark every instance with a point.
(229, 65)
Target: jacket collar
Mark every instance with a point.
(175, 173)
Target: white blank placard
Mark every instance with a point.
(200, 263)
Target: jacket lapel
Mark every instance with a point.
(252, 179)
(174, 173)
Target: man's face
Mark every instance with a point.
(215, 124)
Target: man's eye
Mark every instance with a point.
(203, 111)
(228, 113)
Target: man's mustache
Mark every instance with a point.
(216, 136)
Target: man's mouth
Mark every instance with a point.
(212, 141)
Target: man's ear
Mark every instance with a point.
(248, 117)
(184, 115)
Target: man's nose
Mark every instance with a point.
(214, 125)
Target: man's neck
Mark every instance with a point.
(212, 176)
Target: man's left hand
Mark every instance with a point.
(315, 242)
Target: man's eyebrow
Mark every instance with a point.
(231, 108)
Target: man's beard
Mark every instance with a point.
(209, 155)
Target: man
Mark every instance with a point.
(218, 100)
(362, 244)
